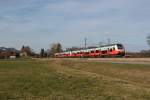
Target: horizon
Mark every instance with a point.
(39, 23)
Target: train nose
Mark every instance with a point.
(122, 52)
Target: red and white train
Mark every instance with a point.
(113, 50)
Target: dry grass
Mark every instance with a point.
(58, 79)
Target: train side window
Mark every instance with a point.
(113, 48)
(92, 51)
(97, 51)
(104, 52)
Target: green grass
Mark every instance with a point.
(73, 80)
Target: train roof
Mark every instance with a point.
(96, 48)
(111, 44)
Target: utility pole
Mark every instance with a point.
(108, 41)
(85, 39)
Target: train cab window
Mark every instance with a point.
(119, 46)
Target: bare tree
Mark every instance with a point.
(55, 48)
(73, 48)
(42, 53)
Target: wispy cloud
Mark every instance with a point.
(69, 21)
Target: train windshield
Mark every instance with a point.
(119, 46)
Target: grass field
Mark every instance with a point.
(73, 80)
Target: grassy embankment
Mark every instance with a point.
(73, 80)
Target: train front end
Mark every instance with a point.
(121, 50)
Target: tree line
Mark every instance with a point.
(27, 51)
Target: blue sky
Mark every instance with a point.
(38, 23)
